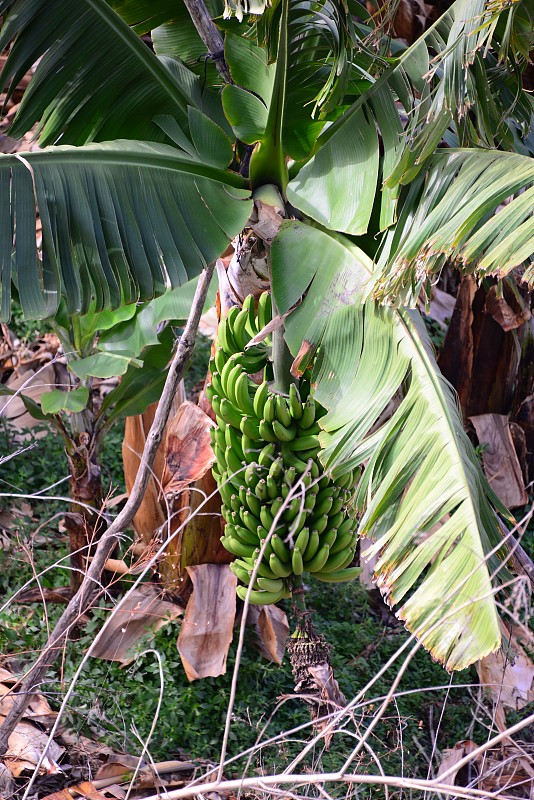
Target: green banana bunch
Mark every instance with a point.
(283, 516)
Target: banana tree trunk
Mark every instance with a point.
(85, 520)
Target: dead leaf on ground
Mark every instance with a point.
(207, 629)
(272, 629)
(38, 709)
(508, 676)
(25, 747)
(35, 383)
(499, 457)
(142, 611)
(507, 769)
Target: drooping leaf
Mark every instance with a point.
(121, 221)
(55, 401)
(473, 207)
(131, 337)
(425, 503)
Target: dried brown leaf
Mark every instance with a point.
(207, 629)
(142, 611)
(188, 451)
(272, 630)
(501, 464)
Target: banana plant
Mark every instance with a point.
(386, 162)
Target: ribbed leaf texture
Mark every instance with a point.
(121, 222)
(425, 503)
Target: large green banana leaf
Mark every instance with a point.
(121, 222)
(425, 503)
(95, 79)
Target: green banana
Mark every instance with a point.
(217, 384)
(297, 563)
(271, 487)
(265, 311)
(308, 413)
(312, 546)
(249, 448)
(240, 573)
(282, 411)
(242, 397)
(261, 490)
(243, 534)
(210, 392)
(242, 338)
(231, 382)
(263, 569)
(249, 426)
(266, 432)
(235, 467)
(337, 505)
(229, 413)
(249, 520)
(233, 439)
(347, 525)
(280, 549)
(329, 537)
(267, 455)
(225, 338)
(347, 574)
(249, 305)
(292, 509)
(282, 433)
(292, 460)
(253, 502)
(271, 584)
(225, 375)
(219, 360)
(251, 475)
(266, 518)
(278, 567)
(302, 540)
(318, 561)
(260, 398)
(304, 443)
(295, 404)
(269, 409)
(260, 597)
(345, 542)
(276, 469)
(320, 523)
(323, 507)
(338, 561)
(236, 546)
(253, 360)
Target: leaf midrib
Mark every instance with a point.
(136, 46)
(104, 154)
(434, 380)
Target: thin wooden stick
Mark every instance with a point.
(210, 35)
(81, 601)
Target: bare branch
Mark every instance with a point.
(81, 601)
(210, 35)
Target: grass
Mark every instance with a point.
(192, 717)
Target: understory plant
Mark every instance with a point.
(347, 167)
